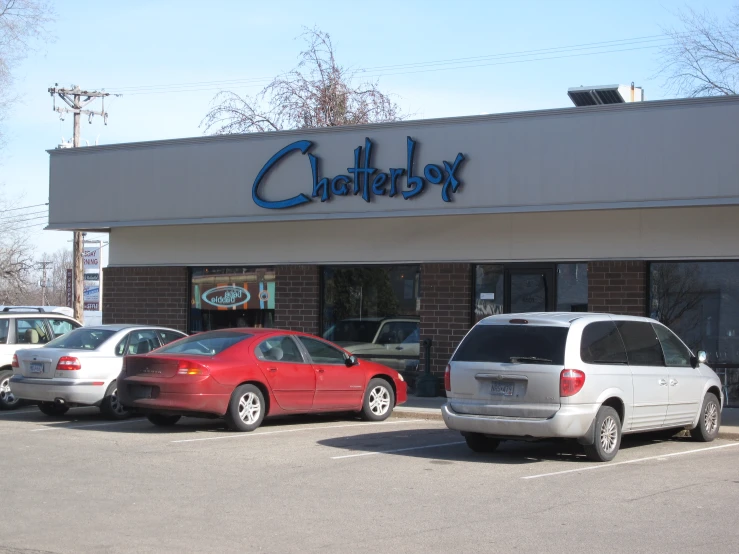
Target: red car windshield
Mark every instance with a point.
(206, 344)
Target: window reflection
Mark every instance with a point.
(373, 312)
(488, 291)
(572, 287)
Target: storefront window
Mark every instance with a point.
(226, 297)
(488, 291)
(700, 302)
(572, 287)
(373, 312)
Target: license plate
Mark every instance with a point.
(502, 389)
(37, 367)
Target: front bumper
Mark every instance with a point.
(570, 421)
(72, 391)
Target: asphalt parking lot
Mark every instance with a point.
(337, 484)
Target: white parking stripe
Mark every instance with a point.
(34, 410)
(107, 423)
(396, 450)
(295, 430)
(613, 464)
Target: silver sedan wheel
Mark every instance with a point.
(6, 395)
(379, 400)
(608, 434)
(249, 408)
(115, 404)
(710, 418)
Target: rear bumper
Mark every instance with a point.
(181, 395)
(72, 391)
(570, 421)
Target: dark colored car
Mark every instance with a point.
(244, 375)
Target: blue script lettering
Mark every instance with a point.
(363, 177)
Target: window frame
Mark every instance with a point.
(656, 325)
(636, 322)
(44, 324)
(620, 338)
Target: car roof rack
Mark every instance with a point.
(24, 309)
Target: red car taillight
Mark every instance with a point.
(448, 378)
(14, 363)
(191, 368)
(68, 363)
(571, 382)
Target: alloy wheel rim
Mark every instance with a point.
(379, 400)
(249, 408)
(608, 434)
(710, 418)
(6, 395)
(115, 404)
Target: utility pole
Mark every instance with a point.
(43, 282)
(76, 99)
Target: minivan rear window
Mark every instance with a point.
(513, 343)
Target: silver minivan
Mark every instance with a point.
(589, 377)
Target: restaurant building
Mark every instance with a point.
(381, 236)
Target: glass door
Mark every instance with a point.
(529, 290)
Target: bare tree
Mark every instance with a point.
(16, 258)
(61, 261)
(317, 93)
(703, 57)
(22, 22)
(677, 294)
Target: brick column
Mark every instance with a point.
(618, 287)
(146, 295)
(297, 298)
(446, 310)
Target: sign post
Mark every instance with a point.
(91, 263)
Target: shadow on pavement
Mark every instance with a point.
(427, 444)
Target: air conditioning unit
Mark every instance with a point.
(608, 94)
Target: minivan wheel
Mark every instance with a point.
(710, 420)
(607, 436)
(481, 443)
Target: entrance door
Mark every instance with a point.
(529, 290)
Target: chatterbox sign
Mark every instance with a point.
(91, 259)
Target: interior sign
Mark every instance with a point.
(226, 296)
(363, 178)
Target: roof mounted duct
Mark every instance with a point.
(609, 94)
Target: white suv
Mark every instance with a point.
(26, 328)
(589, 377)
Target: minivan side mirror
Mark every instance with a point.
(350, 361)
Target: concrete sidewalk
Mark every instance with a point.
(430, 408)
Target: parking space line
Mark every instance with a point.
(613, 464)
(32, 410)
(243, 435)
(107, 423)
(396, 450)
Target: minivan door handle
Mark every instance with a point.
(663, 382)
(673, 382)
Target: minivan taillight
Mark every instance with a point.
(14, 363)
(448, 378)
(571, 382)
(68, 363)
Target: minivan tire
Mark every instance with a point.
(480, 443)
(709, 421)
(606, 436)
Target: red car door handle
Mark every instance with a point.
(273, 369)
(319, 370)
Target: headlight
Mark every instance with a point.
(400, 377)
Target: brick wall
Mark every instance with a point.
(446, 310)
(146, 295)
(618, 287)
(297, 298)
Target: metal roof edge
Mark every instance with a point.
(566, 111)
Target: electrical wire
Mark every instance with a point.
(16, 217)
(604, 47)
(23, 208)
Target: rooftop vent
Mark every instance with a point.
(609, 94)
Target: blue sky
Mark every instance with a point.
(120, 45)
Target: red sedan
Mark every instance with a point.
(244, 375)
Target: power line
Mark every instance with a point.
(603, 47)
(24, 208)
(20, 216)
